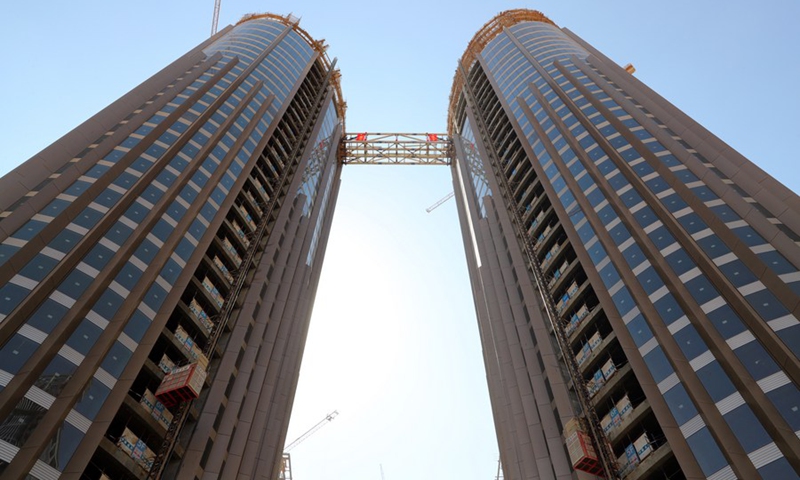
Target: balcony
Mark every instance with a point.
(605, 391)
(567, 272)
(629, 422)
(119, 460)
(592, 362)
(584, 324)
(651, 464)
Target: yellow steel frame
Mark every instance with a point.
(486, 34)
(318, 45)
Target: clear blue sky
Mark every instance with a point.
(393, 343)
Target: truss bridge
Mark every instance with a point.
(396, 149)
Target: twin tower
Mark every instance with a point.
(636, 281)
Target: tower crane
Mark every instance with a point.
(328, 418)
(215, 19)
(441, 201)
(286, 467)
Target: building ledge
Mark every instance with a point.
(631, 421)
(124, 461)
(584, 324)
(650, 464)
(611, 385)
(593, 360)
(566, 273)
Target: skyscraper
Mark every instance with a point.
(636, 280)
(185, 225)
(179, 231)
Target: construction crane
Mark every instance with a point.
(286, 467)
(215, 19)
(440, 202)
(328, 418)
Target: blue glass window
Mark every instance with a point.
(137, 212)
(84, 337)
(725, 213)
(633, 255)
(778, 470)
(155, 297)
(756, 360)
(55, 207)
(609, 275)
(690, 342)
(658, 364)
(706, 451)
(686, 176)
(668, 308)
(75, 284)
(125, 180)
(29, 230)
(197, 229)
(152, 194)
(118, 233)
(716, 381)
(765, 303)
(704, 193)
(692, 223)
(701, 289)
(650, 280)
(108, 197)
(726, 321)
(713, 246)
(680, 404)
(787, 401)
(776, 262)
(162, 230)
(748, 236)
(47, 316)
(65, 240)
(737, 273)
(137, 326)
(116, 359)
(680, 261)
(128, 276)
(55, 376)
(623, 301)
(92, 399)
(88, 218)
(631, 198)
(108, 304)
(6, 252)
(747, 429)
(98, 257)
(38, 267)
(146, 251)
(62, 446)
(184, 249)
(171, 271)
(645, 216)
(661, 238)
(77, 188)
(16, 352)
(639, 330)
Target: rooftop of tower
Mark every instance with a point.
(486, 34)
(318, 45)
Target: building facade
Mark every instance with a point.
(154, 236)
(630, 270)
